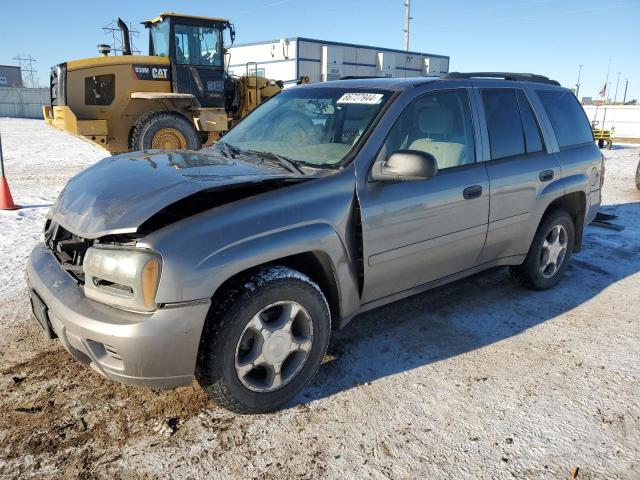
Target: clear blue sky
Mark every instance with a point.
(551, 37)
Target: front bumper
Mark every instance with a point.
(156, 350)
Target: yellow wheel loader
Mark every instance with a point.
(179, 96)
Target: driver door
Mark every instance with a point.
(417, 232)
(199, 64)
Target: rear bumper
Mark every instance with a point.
(157, 350)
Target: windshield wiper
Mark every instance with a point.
(229, 150)
(288, 164)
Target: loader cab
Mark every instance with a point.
(195, 46)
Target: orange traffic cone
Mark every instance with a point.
(6, 200)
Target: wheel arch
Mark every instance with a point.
(574, 203)
(316, 265)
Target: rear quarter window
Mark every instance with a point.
(567, 117)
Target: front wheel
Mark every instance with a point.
(265, 342)
(550, 252)
(638, 176)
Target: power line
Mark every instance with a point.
(27, 70)
(113, 31)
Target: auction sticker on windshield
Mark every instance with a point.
(358, 97)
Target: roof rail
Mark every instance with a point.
(520, 77)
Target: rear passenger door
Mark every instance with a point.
(519, 168)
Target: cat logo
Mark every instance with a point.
(159, 73)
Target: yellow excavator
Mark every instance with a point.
(179, 96)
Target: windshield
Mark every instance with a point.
(315, 126)
(159, 39)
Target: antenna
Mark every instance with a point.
(407, 20)
(29, 74)
(113, 31)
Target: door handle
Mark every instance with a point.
(472, 192)
(546, 175)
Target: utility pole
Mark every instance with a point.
(407, 19)
(615, 96)
(606, 83)
(624, 100)
(578, 82)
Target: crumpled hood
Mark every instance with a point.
(117, 194)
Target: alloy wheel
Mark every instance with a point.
(554, 251)
(274, 346)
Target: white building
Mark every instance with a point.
(288, 59)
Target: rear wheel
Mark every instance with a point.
(550, 252)
(265, 342)
(164, 131)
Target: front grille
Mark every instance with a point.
(68, 248)
(58, 84)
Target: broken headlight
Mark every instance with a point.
(122, 277)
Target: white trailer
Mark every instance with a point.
(288, 59)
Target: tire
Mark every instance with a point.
(600, 143)
(531, 273)
(638, 176)
(229, 325)
(176, 130)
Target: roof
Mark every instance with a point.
(395, 83)
(391, 83)
(519, 77)
(163, 15)
(342, 44)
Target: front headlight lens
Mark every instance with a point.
(122, 277)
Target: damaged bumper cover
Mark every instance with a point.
(156, 350)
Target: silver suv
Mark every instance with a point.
(234, 263)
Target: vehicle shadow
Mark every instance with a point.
(473, 313)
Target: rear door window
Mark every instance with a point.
(506, 137)
(532, 138)
(567, 117)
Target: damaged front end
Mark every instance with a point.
(136, 194)
(94, 228)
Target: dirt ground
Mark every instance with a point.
(479, 379)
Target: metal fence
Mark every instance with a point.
(23, 102)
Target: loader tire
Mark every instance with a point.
(164, 131)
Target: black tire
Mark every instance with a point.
(600, 143)
(149, 124)
(529, 273)
(638, 176)
(216, 371)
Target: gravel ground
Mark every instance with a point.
(479, 379)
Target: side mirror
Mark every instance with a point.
(406, 166)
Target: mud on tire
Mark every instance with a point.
(227, 324)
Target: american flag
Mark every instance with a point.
(603, 91)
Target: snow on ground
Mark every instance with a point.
(38, 162)
(479, 379)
